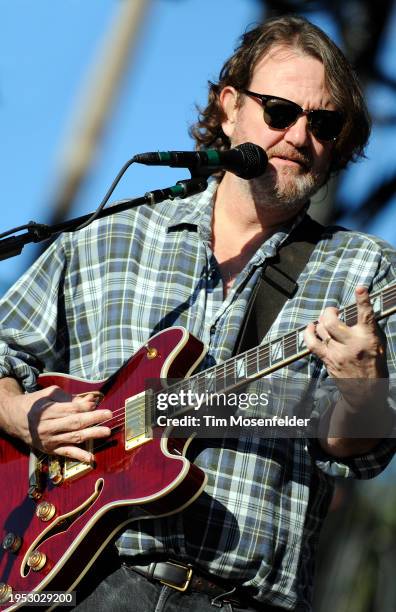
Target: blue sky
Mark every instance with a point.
(47, 49)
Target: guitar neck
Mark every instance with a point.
(267, 358)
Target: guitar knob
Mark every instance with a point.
(45, 511)
(12, 543)
(37, 560)
(5, 592)
(34, 492)
(152, 352)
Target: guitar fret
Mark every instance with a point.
(290, 344)
(211, 384)
(376, 302)
(252, 362)
(200, 384)
(276, 351)
(350, 315)
(241, 366)
(263, 360)
(218, 379)
(221, 378)
(230, 374)
(300, 340)
(388, 298)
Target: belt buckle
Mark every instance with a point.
(188, 578)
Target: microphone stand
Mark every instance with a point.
(37, 232)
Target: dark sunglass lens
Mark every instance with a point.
(326, 125)
(280, 114)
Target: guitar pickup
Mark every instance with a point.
(74, 469)
(137, 431)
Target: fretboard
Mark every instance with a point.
(267, 358)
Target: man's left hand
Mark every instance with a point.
(356, 352)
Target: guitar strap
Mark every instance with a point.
(278, 282)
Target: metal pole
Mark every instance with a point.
(94, 104)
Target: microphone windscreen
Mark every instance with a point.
(255, 160)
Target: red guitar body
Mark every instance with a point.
(56, 516)
(82, 507)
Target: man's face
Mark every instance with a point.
(298, 162)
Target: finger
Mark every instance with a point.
(85, 402)
(329, 315)
(54, 393)
(80, 436)
(75, 453)
(76, 421)
(56, 410)
(336, 330)
(365, 313)
(313, 343)
(321, 331)
(331, 325)
(323, 334)
(329, 318)
(58, 395)
(95, 396)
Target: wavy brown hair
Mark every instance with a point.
(298, 33)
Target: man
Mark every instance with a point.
(97, 295)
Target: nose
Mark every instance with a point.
(297, 134)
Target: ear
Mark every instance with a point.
(228, 100)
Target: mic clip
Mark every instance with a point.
(182, 189)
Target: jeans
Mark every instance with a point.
(126, 591)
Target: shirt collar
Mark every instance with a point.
(197, 211)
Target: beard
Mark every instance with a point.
(287, 189)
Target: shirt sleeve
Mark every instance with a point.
(361, 467)
(31, 338)
(374, 462)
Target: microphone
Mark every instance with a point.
(247, 160)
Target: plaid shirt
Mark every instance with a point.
(96, 295)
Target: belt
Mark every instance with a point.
(185, 577)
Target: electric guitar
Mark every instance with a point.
(57, 515)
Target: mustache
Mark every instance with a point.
(300, 156)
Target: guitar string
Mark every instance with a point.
(260, 353)
(118, 417)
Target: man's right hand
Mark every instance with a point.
(51, 420)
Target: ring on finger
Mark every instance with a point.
(327, 340)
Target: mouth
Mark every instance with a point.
(291, 161)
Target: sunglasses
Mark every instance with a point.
(280, 114)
